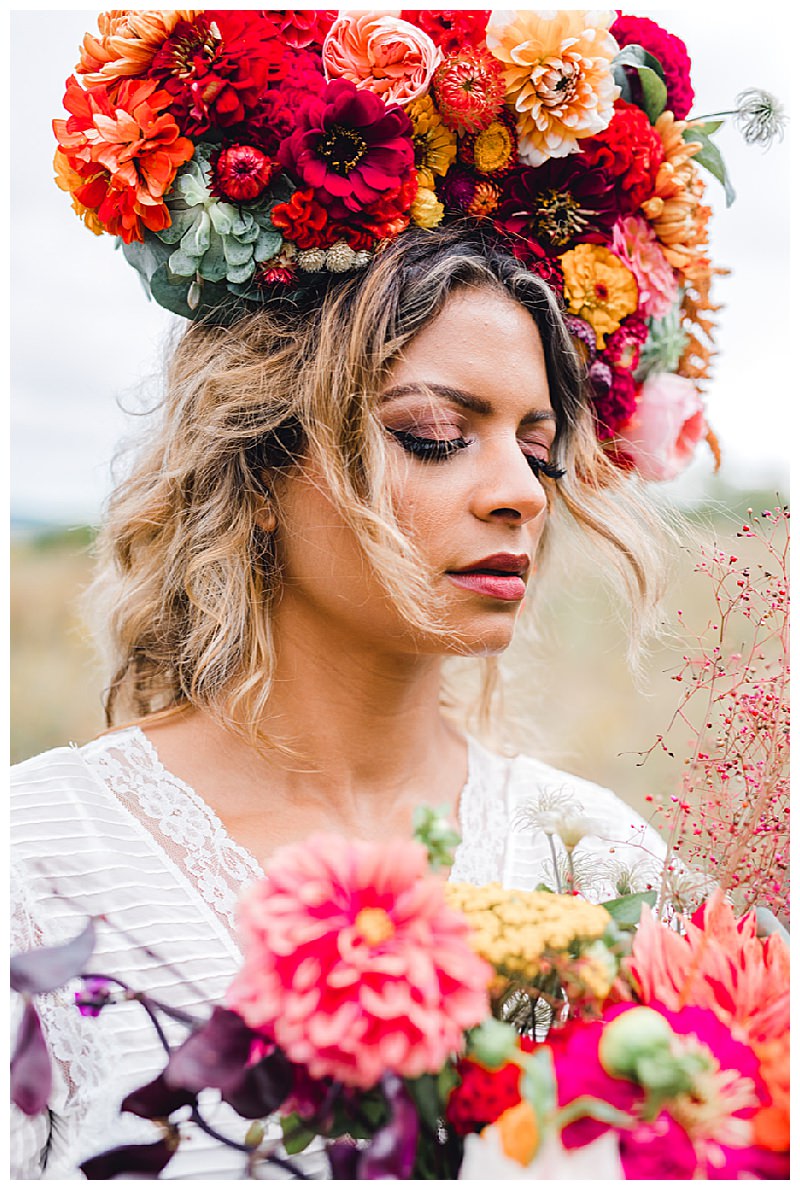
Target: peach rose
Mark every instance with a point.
(382, 54)
(668, 423)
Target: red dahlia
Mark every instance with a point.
(469, 87)
(557, 205)
(350, 148)
(629, 151)
(241, 173)
(671, 53)
(450, 28)
(303, 27)
(217, 66)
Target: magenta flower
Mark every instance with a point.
(350, 148)
(355, 964)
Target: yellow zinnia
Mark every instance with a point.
(434, 145)
(598, 288)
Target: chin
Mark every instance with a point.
(484, 640)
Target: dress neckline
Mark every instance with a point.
(231, 845)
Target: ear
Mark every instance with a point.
(265, 517)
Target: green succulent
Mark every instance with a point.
(665, 344)
(215, 239)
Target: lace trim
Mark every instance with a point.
(192, 835)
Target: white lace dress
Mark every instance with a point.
(105, 829)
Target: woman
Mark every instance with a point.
(338, 499)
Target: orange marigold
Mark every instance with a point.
(126, 151)
(676, 211)
(127, 43)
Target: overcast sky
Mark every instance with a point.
(85, 338)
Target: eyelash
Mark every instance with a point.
(436, 449)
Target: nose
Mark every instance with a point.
(507, 488)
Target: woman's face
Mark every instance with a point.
(469, 424)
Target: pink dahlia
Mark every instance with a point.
(349, 148)
(671, 53)
(666, 426)
(354, 963)
(637, 246)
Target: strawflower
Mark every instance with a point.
(383, 54)
(128, 149)
(493, 150)
(671, 53)
(469, 90)
(557, 68)
(599, 288)
(623, 347)
(354, 962)
(241, 173)
(426, 210)
(666, 426)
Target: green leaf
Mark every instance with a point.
(425, 1093)
(636, 56)
(626, 911)
(296, 1136)
(710, 157)
(538, 1083)
(651, 78)
(654, 93)
(181, 264)
(707, 126)
(146, 256)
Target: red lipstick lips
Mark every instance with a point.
(500, 576)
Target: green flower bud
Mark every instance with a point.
(493, 1043)
(634, 1035)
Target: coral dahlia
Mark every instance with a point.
(128, 150)
(469, 90)
(354, 963)
(350, 148)
(557, 67)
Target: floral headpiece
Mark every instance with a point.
(243, 155)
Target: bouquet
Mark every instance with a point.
(248, 157)
(427, 1030)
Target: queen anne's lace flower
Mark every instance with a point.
(558, 76)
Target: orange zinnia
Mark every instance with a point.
(127, 153)
(129, 40)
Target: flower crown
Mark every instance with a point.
(244, 155)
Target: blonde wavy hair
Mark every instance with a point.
(186, 576)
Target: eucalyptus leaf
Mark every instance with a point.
(181, 264)
(627, 911)
(171, 294)
(538, 1082)
(49, 967)
(146, 256)
(653, 98)
(711, 158)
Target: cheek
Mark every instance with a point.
(427, 503)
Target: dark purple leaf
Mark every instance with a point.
(140, 1161)
(213, 1056)
(343, 1156)
(392, 1150)
(31, 1072)
(262, 1088)
(156, 1100)
(49, 967)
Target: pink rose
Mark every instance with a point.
(382, 54)
(669, 421)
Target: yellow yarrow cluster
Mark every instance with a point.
(515, 931)
(598, 288)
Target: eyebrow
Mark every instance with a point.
(464, 399)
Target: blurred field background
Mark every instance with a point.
(578, 705)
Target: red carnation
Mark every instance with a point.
(273, 120)
(241, 173)
(350, 148)
(217, 67)
(629, 151)
(450, 28)
(470, 88)
(481, 1096)
(671, 53)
